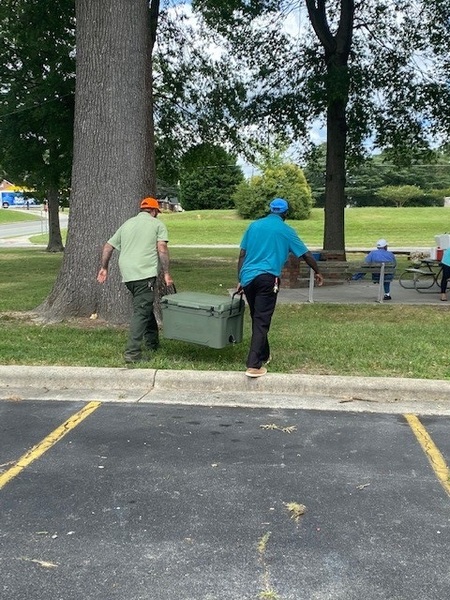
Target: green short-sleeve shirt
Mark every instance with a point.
(136, 241)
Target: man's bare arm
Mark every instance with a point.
(239, 267)
(311, 262)
(106, 257)
(163, 253)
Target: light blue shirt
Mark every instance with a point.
(379, 256)
(267, 243)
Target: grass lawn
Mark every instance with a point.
(363, 227)
(10, 215)
(369, 340)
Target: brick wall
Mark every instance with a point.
(291, 273)
(295, 273)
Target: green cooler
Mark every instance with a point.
(204, 319)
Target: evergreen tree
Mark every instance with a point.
(431, 174)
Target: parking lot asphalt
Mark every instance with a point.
(174, 502)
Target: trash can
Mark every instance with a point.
(205, 319)
(442, 241)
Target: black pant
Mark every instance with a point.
(261, 300)
(445, 278)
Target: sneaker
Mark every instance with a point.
(255, 372)
(387, 297)
(268, 361)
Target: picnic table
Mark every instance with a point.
(423, 277)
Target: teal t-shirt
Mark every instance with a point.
(136, 241)
(267, 243)
(446, 257)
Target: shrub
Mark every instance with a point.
(252, 196)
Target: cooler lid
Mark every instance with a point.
(200, 300)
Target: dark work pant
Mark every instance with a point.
(143, 325)
(261, 301)
(445, 278)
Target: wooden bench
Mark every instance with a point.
(341, 272)
(334, 272)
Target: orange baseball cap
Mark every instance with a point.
(150, 203)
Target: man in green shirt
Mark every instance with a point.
(141, 241)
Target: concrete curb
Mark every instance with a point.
(87, 378)
(142, 381)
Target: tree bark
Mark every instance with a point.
(113, 164)
(334, 222)
(55, 243)
(336, 52)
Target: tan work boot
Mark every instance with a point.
(250, 372)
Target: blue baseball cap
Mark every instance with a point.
(278, 205)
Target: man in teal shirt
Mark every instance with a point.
(142, 243)
(445, 264)
(265, 248)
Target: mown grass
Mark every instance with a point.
(366, 340)
(8, 215)
(363, 227)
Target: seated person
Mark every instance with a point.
(382, 255)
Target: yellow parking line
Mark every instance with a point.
(47, 443)
(436, 459)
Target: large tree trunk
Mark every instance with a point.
(334, 223)
(112, 153)
(336, 52)
(55, 243)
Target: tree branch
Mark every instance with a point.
(345, 29)
(318, 18)
(153, 15)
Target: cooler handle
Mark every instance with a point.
(241, 301)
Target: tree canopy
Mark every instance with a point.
(208, 178)
(431, 175)
(37, 72)
(374, 72)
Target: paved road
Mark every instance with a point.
(22, 229)
(191, 503)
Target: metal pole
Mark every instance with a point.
(311, 286)
(381, 284)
